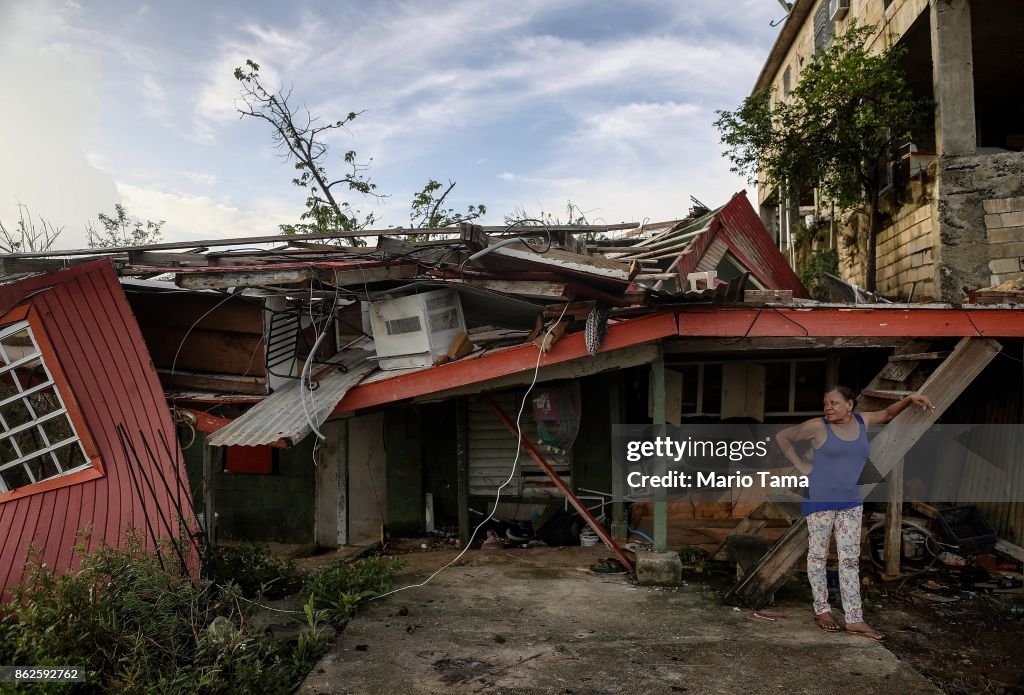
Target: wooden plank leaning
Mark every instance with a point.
(944, 385)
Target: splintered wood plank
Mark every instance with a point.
(945, 384)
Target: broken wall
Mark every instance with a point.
(964, 184)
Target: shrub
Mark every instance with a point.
(136, 627)
(341, 586)
(253, 569)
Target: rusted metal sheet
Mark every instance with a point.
(737, 226)
(97, 351)
(286, 415)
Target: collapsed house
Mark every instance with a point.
(88, 450)
(325, 393)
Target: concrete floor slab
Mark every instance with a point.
(539, 622)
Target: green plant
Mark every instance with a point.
(341, 586)
(254, 569)
(821, 261)
(836, 130)
(137, 627)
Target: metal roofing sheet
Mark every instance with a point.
(286, 414)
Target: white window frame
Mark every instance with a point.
(7, 433)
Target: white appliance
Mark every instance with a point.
(414, 331)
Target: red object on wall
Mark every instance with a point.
(102, 368)
(250, 459)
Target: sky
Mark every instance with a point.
(525, 105)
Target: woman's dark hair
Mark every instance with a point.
(845, 391)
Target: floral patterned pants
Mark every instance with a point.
(847, 526)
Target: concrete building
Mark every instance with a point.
(955, 201)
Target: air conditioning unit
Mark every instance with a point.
(837, 9)
(414, 331)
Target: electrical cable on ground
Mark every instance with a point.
(494, 509)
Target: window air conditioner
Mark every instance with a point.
(837, 9)
(413, 331)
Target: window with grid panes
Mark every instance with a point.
(37, 440)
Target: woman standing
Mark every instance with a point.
(841, 449)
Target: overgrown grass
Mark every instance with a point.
(137, 627)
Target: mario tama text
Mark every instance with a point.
(703, 457)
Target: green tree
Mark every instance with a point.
(428, 212)
(121, 229)
(299, 136)
(836, 131)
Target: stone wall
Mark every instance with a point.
(1004, 221)
(965, 183)
(906, 255)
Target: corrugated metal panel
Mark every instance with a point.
(492, 449)
(737, 228)
(750, 244)
(100, 352)
(285, 415)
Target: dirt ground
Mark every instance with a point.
(538, 621)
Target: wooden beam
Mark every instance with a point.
(894, 521)
(745, 345)
(340, 278)
(524, 288)
(243, 278)
(502, 362)
(1008, 548)
(574, 369)
(944, 385)
(830, 321)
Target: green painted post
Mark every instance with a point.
(462, 456)
(661, 467)
(620, 527)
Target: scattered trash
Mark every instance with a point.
(608, 565)
(362, 647)
(403, 611)
(951, 559)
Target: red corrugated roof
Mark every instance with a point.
(738, 226)
(99, 349)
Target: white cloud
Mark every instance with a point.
(154, 98)
(189, 216)
(44, 129)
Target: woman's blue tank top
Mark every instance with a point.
(838, 464)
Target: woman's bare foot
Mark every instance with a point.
(865, 630)
(826, 622)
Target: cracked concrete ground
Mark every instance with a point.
(537, 621)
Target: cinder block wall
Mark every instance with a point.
(1004, 222)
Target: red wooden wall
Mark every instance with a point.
(99, 349)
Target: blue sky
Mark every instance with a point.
(524, 104)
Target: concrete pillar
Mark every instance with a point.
(332, 486)
(657, 387)
(953, 77)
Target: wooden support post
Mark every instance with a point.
(462, 459)
(620, 525)
(657, 386)
(894, 521)
(209, 515)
